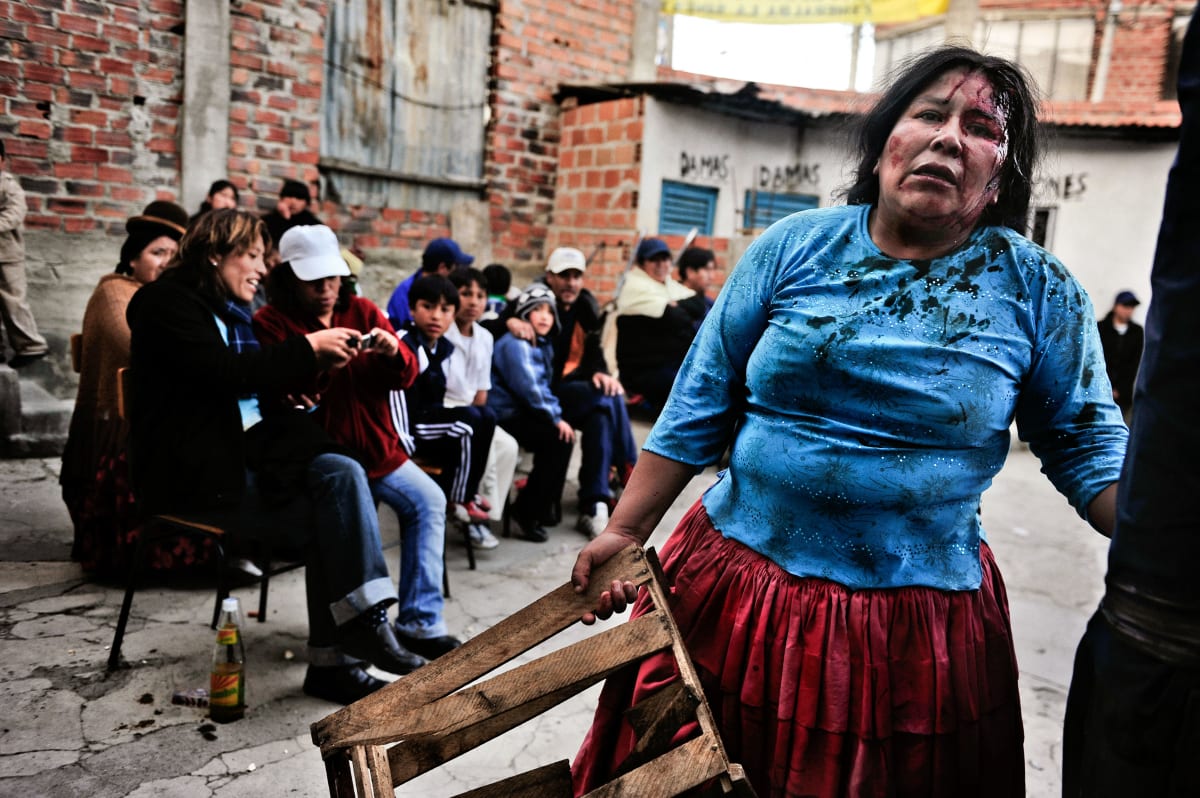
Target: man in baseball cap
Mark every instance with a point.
(1122, 339)
(442, 256)
(313, 253)
(592, 400)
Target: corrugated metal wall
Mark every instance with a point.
(406, 101)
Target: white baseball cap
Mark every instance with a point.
(313, 252)
(564, 259)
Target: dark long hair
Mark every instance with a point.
(283, 292)
(1015, 93)
(215, 235)
(218, 185)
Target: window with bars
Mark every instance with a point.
(684, 206)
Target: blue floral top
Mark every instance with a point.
(869, 399)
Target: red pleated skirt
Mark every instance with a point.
(819, 690)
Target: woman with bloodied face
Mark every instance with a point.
(865, 363)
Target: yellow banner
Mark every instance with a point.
(802, 11)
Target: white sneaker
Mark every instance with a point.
(592, 525)
(248, 567)
(482, 537)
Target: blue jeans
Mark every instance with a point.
(421, 507)
(335, 527)
(607, 438)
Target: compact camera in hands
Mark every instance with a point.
(367, 341)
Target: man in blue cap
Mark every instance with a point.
(1122, 339)
(442, 256)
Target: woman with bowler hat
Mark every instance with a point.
(94, 476)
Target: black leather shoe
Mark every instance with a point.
(378, 646)
(428, 647)
(341, 684)
(530, 530)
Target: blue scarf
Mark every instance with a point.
(241, 333)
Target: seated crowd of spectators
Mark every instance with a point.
(293, 403)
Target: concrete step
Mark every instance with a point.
(35, 422)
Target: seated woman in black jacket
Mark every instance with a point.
(201, 444)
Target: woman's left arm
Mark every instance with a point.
(1065, 409)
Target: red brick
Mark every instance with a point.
(41, 73)
(35, 222)
(38, 92)
(87, 81)
(89, 155)
(77, 224)
(107, 138)
(127, 193)
(90, 43)
(34, 128)
(78, 135)
(121, 33)
(114, 174)
(51, 36)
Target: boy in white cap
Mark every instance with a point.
(352, 404)
(593, 401)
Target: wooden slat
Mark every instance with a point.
(656, 721)
(381, 774)
(509, 638)
(683, 661)
(360, 763)
(678, 770)
(337, 773)
(578, 666)
(548, 781)
(411, 758)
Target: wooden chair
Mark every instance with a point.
(431, 716)
(166, 526)
(76, 352)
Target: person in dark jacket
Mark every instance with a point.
(1122, 339)
(201, 444)
(593, 401)
(1132, 725)
(656, 321)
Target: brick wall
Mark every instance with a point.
(540, 44)
(596, 191)
(89, 107)
(600, 168)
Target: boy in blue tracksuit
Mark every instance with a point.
(529, 411)
(455, 439)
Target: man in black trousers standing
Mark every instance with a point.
(1133, 713)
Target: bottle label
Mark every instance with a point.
(227, 636)
(225, 690)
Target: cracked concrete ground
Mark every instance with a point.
(67, 727)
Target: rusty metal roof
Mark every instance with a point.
(769, 102)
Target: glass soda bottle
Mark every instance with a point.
(227, 689)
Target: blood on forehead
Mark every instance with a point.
(979, 91)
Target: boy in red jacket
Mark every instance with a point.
(306, 293)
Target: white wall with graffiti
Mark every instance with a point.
(685, 145)
(1097, 205)
(1104, 197)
